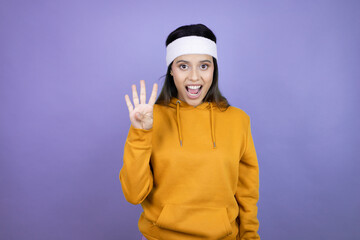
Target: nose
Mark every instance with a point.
(194, 74)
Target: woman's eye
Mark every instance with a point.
(204, 66)
(183, 66)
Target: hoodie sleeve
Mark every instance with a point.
(135, 175)
(247, 193)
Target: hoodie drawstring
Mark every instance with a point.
(178, 120)
(212, 125)
(211, 121)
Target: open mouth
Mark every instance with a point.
(193, 91)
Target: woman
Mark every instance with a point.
(189, 157)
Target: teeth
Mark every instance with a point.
(194, 87)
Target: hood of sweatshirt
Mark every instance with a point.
(205, 106)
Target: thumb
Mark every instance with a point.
(139, 116)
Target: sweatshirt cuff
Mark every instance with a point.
(138, 136)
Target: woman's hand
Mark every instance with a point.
(142, 115)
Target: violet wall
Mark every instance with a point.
(65, 67)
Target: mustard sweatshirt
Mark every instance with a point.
(195, 174)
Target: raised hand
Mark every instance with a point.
(141, 114)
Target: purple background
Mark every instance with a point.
(65, 67)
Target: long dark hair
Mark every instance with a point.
(169, 89)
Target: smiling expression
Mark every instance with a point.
(193, 76)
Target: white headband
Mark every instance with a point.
(190, 45)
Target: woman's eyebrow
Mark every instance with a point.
(182, 61)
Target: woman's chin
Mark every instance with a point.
(194, 102)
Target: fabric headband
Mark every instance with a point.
(190, 45)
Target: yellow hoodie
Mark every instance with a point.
(195, 174)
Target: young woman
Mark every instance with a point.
(189, 156)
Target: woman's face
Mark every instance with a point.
(193, 75)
